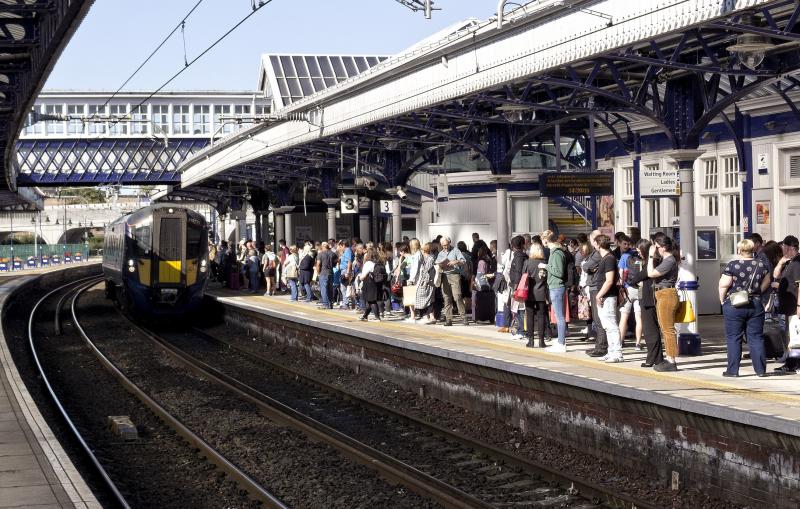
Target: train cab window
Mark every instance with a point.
(142, 242)
(194, 241)
(169, 240)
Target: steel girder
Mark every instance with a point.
(49, 162)
(32, 35)
(611, 89)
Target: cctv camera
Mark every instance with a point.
(402, 194)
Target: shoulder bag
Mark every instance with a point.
(741, 298)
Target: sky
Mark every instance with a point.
(117, 35)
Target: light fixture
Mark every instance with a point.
(750, 48)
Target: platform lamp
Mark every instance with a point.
(750, 48)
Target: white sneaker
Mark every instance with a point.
(613, 359)
(603, 358)
(556, 348)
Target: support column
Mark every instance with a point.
(503, 227)
(279, 226)
(363, 224)
(265, 228)
(222, 234)
(241, 230)
(397, 219)
(688, 267)
(257, 227)
(289, 228)
(331, 216)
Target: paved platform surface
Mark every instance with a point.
(35, 472)
(771, 403)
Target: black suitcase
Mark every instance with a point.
(773, 341)
(485, 306)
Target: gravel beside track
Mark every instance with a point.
(457, 464)
(157, 470)
(534, 445)
(301, 472)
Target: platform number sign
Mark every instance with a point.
(386, 206)
(349, 204)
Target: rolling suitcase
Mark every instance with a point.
(773, 341)
(485, 305)
(233, 280)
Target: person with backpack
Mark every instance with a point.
(630, 265)
(372, 277)
(557, 276)
(269, 266)
(606, 298)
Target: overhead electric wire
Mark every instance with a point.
(202, 54)
(256, 8)
(180, 24)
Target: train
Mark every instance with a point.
(155, 261)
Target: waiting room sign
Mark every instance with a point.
(656, 182)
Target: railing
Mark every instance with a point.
(581, 205)
(30, 256)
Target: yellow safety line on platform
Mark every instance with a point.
(703, 384)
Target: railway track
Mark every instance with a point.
(255, 490)
(66, 290)
(448, 467)
(113, 475)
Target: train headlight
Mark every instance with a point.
(131, 267)
(203, 262)
(130, 263)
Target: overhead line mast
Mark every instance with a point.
(419, 5)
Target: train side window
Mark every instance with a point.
(142, 240)
(194, 239)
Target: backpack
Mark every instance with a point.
(379, 273)
(633, 267)
(570, 273)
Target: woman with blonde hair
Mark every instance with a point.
(537, 304)
(411, 265)
(740, 287)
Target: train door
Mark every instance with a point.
(169, 256)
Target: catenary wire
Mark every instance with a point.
(180, 24)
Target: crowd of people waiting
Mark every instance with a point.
(535, 287)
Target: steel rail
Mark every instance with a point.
(389, 467)
(577, 486)
(244, 480)
(64, 414)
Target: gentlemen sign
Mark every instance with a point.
(576, 184)
(655, 182)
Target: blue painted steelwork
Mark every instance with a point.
(679, 83)
(32, 35)
(49, 162)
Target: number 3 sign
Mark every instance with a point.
(349, 204)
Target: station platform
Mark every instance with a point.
(739, 438)
(35, 471)
(771, 403)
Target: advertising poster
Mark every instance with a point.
(706, 244)
(605, 219)
(763, 218)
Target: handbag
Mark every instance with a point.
(741, 298)
(437, 279)
(521, 292)
(584, 307)
(291, 272)
(397, 288)
(409, 295)
(685, 312)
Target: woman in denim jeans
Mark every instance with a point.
(751, 275)
(289, 272)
